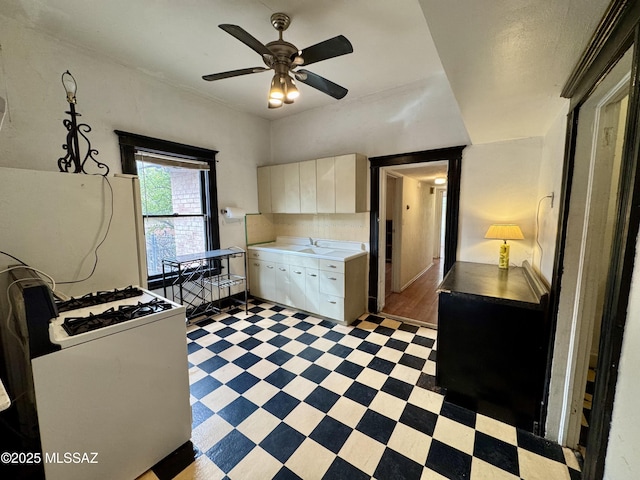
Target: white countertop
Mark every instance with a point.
(327, 249)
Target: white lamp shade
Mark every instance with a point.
(504, 231)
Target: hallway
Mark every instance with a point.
(419, 301)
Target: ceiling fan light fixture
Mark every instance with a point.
(283, 57)
(276, 91)
(292, 90)
(275, 103)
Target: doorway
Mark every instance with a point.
(589, 262)
(453, 156)
(609, 140)
(413, 215)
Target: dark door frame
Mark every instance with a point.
(618, 31)
(454, 156)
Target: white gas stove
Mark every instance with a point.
(99, 314)
(117, 386)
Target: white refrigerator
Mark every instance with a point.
(125, 393)
(55, 222)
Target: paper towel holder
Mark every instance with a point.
(232, 213)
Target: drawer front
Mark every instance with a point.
(331, 265)
(265, 256)
(332, 283)
(332, 307)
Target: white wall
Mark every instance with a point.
(335, 226)
(416, 231)
(499, 184)
(410, 119)
(111, 96)
(622, 461)
(550, 181)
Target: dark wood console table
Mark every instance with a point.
(492, 341)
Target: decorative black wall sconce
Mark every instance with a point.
(74, 161)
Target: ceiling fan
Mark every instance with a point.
(283, 58)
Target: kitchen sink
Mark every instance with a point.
(316, 250)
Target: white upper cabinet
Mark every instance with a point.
(342, 184)
(292, 187)
(285, 188)
(326, 185)
(350, 183)
(264, 189)
(308, 187)
(277, 189)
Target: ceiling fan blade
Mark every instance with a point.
(320, 83)
(334, 47)
(246, 38)
(233, 73)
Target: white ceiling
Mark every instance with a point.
(506, 60)
(424, 172)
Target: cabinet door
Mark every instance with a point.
(312, 290)
(292, 187)
(264, 189)
(278, 198)
(325, 184)
(285, 188)
(351, 183)
(297, 294)
(282, 284)
(262, 279)
(308, 187)
(254, 278)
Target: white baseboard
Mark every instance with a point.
(416, 277)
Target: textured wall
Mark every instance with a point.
(111, 97)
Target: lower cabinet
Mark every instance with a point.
(492, 337)
(264, 274)
(283, 283)
(297, 295)
(330, 288)
(312, 290)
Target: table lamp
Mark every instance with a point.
(504, 232)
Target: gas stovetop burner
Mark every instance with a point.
(112, 316)
(91, 299)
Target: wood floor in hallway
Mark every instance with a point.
(419, 301)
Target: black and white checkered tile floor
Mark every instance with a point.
(279, 394)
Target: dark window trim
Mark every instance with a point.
(454, 156)
(130, 142)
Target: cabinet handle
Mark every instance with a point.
(282, 269)
(332, 266)
(313, 275)
(256, 254)
(332, 278)
(270, 266)
(256, 264)
(297, 272)
(332, 301)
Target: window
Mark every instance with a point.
(178, 197)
